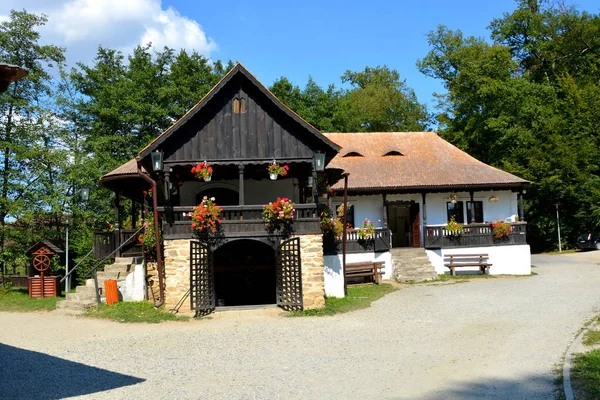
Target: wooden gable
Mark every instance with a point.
(240, 121)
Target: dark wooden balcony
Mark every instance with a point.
(380, 242)
(474, 235)
(238, 221)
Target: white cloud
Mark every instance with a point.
(82, 25)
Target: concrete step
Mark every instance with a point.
(85, 290)
(106, 275)
(80, 296)
(82, 306)
(120, 268)
(128, 260)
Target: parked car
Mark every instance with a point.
(589, 241)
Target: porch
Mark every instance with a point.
(238, 221)
(474, 235)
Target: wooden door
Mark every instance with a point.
(415, 225)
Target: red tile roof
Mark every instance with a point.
(427, 162)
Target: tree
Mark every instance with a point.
(28, 156)
(380, 101)
(529, 103)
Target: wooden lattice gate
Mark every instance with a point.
(289, 275)
(202, 278)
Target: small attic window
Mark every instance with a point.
(236, 106)
(353, 154)
(393, 153)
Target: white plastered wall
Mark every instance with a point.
(334, 279)
(505, 260)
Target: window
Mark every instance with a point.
(239, 105)
(349, 215)
(456, 209)
(392, 153)
(478, 207)
(353, 154)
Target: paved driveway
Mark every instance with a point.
(487, 338)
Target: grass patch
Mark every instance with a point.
(18, 300)
(591, 338)
(359, 297)
(133, 312)
(586, 373)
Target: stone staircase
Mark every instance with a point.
(85, 296)
(412, 265)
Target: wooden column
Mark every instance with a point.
(241, 185)
(472, 221)
(133, 214)
(521, 208)
(167, 186)
(424, 227)
(315, 188)
(385, 216)
(117, 211)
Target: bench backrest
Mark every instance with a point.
(465, 258)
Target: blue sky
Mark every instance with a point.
(272, 38)
(325, 38)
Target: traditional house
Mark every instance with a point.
(406, 183)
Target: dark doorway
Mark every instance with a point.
(223, 196)
(244, 273)
(404, 221)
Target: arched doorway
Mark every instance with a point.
(244, 273)
(223, 196)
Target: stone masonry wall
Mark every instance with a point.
(177, 274)
(313, 282)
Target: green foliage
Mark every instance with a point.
(17, 300)
(454, 228)
(591, 337)
(529, 103)
(377, 101)
(136, 312)
(585, 373)
(359, 297)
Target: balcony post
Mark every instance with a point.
(385, 216)
(472, 221)
(241, 185)
(521, 208)
(424, 227)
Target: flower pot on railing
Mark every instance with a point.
(273, 177)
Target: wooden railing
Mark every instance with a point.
(380, 242)
(238, 221)
(106, 242)
(474, 235)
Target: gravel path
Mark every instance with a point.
(487, 338)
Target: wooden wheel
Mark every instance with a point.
(41, 262)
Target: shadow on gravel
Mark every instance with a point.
(26, 374)
(527, 388)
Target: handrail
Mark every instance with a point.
(116, 250)
(74, 268)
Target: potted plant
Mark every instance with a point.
(453, 228)
(501, 230)
(203, 170)
(206, 217)
(367, 230)
(279, 214)
(276, 170)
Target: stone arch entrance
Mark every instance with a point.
(245, 273)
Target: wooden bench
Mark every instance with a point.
(453, 261)
(373, 269)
